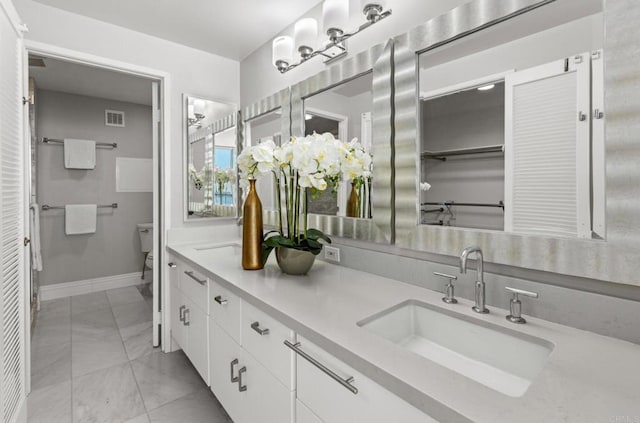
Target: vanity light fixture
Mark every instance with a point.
(196, 113)
(335, 19)
(486, 87)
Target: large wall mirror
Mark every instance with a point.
(501, 137)
(210, 151)
(352, 100)
(268, 120)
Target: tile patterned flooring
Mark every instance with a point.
(93, 362)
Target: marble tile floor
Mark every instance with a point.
(92, 362)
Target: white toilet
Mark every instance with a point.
(145, 231)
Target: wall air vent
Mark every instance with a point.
(114, 118)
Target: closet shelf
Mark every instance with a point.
(442, 155)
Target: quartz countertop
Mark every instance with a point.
(587, 378)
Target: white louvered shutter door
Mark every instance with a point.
(547, 129)
(12, 300)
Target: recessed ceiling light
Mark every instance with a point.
(486, 87)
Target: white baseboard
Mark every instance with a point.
(70, 289)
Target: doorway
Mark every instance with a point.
(119, 109)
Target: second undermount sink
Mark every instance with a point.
(504, 360)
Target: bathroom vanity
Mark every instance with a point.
(341, 345)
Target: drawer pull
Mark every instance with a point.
(234, 363)
(241, 388)
(219, 300)
(172, 265)
(192, 276)
(256, 326)
(181, 313)
(186, 322)
(347, 383)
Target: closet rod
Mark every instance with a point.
(442, 155)
(46, 207)
(100, 144)
(453, 203)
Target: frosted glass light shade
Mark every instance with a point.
(198, 107)
(191, 112)
(306, 33)
(283, 49)
(335, 14)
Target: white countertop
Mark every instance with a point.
(587, 378)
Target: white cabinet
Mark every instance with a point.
(225, 364)
(334, 403)
(243, 377)
(304, 415)
(189, 322)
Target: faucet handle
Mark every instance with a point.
(515, 305)
(450, 297)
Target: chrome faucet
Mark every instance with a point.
(480, 291)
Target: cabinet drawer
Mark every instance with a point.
(225, 310)
(263, 337)
(195, 286)
(333, 403)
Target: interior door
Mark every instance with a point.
(547, 148)
(157, 216)
(13, 298)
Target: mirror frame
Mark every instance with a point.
(610, 260)
(379, 60)
(219, 125)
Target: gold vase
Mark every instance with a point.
(252, 234)
(353, 202)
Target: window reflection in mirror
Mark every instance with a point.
(211, 176)
(344, 111)
(508, 135)
(266, 127)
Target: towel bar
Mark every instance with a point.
(100, 144)
(46, 207)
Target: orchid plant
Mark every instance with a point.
(302, 165)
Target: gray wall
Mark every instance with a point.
(115, 247)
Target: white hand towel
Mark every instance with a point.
(79, 154)
(80, 218)
(34, 234)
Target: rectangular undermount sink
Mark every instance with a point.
(502, 359)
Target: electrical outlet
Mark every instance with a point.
(332, 254)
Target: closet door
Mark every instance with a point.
(12, 228)
(547, 149)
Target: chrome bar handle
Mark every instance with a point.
(256, 327)
(449, 297)
(218, 299)
(181, 310)
(233, 364)
(241, 388)
(192, 276)
(172, 265)
(347, 383)
(187, 322)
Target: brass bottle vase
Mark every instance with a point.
(252, 233)
(353, 203)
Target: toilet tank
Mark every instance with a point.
(145, 230)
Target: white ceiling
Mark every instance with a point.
(229, 28)
(79, 79)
